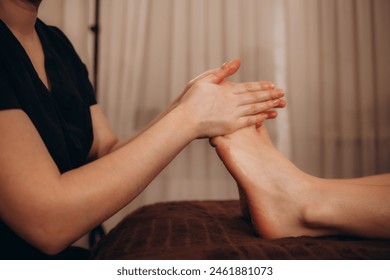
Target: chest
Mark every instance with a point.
(34, 51)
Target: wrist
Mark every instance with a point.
(185, 122)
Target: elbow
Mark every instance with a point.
(45, 227)
(52, 248)
(50, 241)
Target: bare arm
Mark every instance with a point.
(39, 203)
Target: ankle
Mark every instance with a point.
(316, 210)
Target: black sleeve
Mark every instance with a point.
(82, 73)
(8, 99)
(88, 89)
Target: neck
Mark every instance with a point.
(19, 15)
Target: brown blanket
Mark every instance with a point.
(214, 230)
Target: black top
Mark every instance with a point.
(62, 116)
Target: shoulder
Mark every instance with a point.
(64, 52)
(55, 35)
(57, 42)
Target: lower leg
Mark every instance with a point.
(379, 180)
(351, 209)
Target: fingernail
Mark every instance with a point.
(272, 114)
(280, 93)
(228, 62)
(225, 66)
(276, 101)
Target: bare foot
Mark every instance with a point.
(277, 192)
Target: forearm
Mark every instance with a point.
(111, 143)
(120, 143)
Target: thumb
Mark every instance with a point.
(226, 70)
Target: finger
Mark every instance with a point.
(252, 86)
(251, 120)
(201, 76)
(260, 96)
(282, 103)
(257, 108)
(213, 141)
(271, 114)
(258, 125)
(226, 70)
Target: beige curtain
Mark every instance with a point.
(331, 56)
(339, 88)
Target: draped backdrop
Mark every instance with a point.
(331, 57)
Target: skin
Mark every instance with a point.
(282, 201)
(51, 210)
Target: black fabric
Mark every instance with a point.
(61, 116)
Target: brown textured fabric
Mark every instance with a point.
(214, 230)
